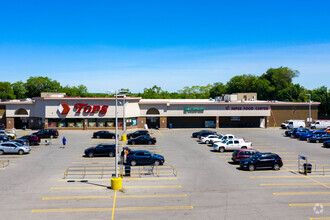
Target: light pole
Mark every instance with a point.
(116, 116)
(309, 110)
(124, 121)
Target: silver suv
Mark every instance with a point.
(14, 148)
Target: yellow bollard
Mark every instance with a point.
(124, 137)
(24, 133)
(116, 183)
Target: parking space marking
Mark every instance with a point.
(308, 204)
(2, 168)
(151, 208)
(300, 193)
(155, 187)
(320, 218)
(110, 197)
(290, 184)
(112, 162)
(79, 187)
(102, 187)
(125, 179)
(114, 205)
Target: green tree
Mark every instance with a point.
(36, 85)
(19, 90)
(292, 93)
(218, 89)
(6, 91)
(322, 95)
(241, 83)
(263, 88)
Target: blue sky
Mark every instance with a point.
(109, 45)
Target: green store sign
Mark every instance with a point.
(193, 109)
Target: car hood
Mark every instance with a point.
(158, 156)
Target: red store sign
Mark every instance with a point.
(247, 108)
(101, 109)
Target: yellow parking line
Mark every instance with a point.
(127, 187)
(300, 193)
(308, 204)
(125, 179)
(142, 187)
(320, 218)
(95, 158)
(114, 205)
(290, 184)
(80, 187)
(12, 158)
(92, 162)
(282, 177)
(110, 209)
(110, 197)
(2, 168)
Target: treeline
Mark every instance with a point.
(274, 84)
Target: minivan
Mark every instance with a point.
(296, 124)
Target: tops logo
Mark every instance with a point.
(91, 109)
(64, 108)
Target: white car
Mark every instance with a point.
(232, 144)
(211, 137)
(7, 134)
(14, 148)
(224, 137)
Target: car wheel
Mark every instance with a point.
(20, 152)
(149, 142)
(276, 166)
(307, 139)
(244, 147)
(90, 154)
(221, 149)
(133, 142)
(252, 167)
(98, 136)
(133, 162)
(207, 142)
(1, 152)
(157, 163)
(113, 137)
(111, 154)
(317, 141)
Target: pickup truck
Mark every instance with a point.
(232, 144)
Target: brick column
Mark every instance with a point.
(10, 123)
(141, 121)
(163, 122)
(217, 122)
(85, 124)
(267, 122)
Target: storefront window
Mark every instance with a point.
(130, 122)
(67, 122)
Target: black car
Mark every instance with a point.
(47, 133)
(101, 150)
(143, 157)
(262, 160)
(142, 140)
(3, 138)
(32, 139)
(137, 134)
(202, 132)
(104, 134)
(319, 138)
(326, 143)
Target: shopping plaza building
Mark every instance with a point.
(55, 110)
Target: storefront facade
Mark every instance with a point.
(78, 113)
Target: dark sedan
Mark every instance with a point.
(104, 134)
(326, 143)
(137, 134)
(262, 160)
(319, 139)
(202, 132)
(143, 157)
(142, 140)
(32, 139)
(101, 150)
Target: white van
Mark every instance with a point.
(296, 124)
(320, 124)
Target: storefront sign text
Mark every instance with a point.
(91, 108)
(246, 108)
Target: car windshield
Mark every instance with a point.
(224, 141)
(18, 144)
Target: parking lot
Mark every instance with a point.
(203, 184)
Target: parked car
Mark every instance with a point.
(285, 124)
(320, 124)
(292, 131)
(209, 137)
(327, 130)
(241, 154)
(14, 148)
(104, 134)
(326, 143)
(143, 157)
(3, 138)
(262, 160)
(101, 150)
(142, 140)
(33, 139)
(47, 133)
(7, 134)
(310, 134)
(137, 134)
(296, 124)
(232, 144)
(197, 134)
(224, 137)
(21, 141)
(299, 133)
(319, 139)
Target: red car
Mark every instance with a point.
(241, 154)
(33, 139)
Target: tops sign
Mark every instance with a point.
(91, 108)
(247, 108)
(82, 107)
